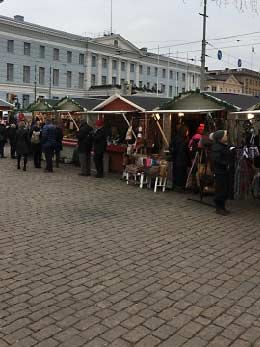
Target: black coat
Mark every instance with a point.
(22, 142)
(3, 134)
(12, 134)
(100, 141)
(85, 138)
(59, 138)
(220, 158)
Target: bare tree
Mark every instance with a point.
(242, 5)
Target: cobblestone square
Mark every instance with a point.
(94, 262)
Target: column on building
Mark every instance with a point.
(99, 69)
(119, 71)
(128, 71)
(110, 70)
(137, 75)
(88, 69)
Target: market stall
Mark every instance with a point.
(131, 132)
(244, 135)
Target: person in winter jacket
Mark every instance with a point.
(3, 138)
(22, 145)
(48, 143)
(100, 145)
(180, 158)
(12, 139)
(58, 144)
(36, 147)
(220, 162)
(85, 143)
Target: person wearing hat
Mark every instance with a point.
(220, 161)
(100, 145)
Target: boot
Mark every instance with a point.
(222, 212)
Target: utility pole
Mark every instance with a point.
(203, 48)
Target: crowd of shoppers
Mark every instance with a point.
(47, 137)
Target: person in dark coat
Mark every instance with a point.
(22, 145)
(48, 143)
(12, 139)
(100, 145)
(180, 158)
(85, 143)
(36, 147)
(58, 144)
(220, 162)
(3, 139)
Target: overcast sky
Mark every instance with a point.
(149, 23)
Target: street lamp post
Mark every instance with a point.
(203, 48)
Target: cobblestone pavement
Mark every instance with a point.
(87, 262)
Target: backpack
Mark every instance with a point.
(35, 137)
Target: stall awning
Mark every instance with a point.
(244, 115)
(187, 111)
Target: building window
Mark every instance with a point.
(113, 81)
(132, 68)
(27, 48)
(42, 52)
(56, 77)
(163, 88)
(183, 77)
(141, 69)
(56, 54)
(104, 63)
(148, 70)
(93, 61)
(41, 75)
(26, 74)
(69, 57)
(163, 73)
(93, 79)
(155, 86)
(193, 79)
(10, 46)
(81, 59)
(26, 101)
(170, 91)
(132, 82)
(156, 71)
(10, 72)
(81, 80)
(116, 43)
(171, 74)
(123, 66)
(140, 84)
(114, 64)
(148, 85)
(183, 90)
(104, 80)
(122, 82)
(69, 79)
(214, 88)
(177, 76)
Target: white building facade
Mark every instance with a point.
(41, 62)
